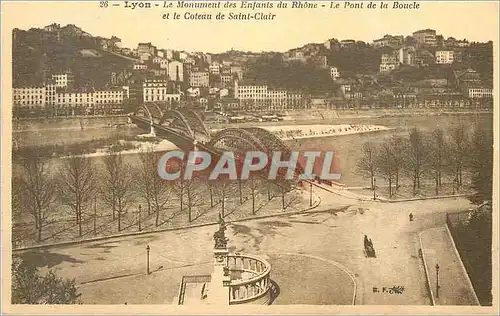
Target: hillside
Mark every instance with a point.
(38, 54)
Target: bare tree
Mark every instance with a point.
(253, 187)
(38, 189)
(417, 157)
(366, 164)
(77, 185)
(117, 185)
(398, 156)
(222, 189)
(160, 193)
(384, 163)
(458, 152)
(437, 154)
(145, 175)
(153, 189)
(16, 193)
(193, 197)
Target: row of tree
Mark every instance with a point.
(433, 155)
(77, 184)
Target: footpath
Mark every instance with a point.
(454, 284)
(345, 192)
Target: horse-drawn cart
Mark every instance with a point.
(369, 250)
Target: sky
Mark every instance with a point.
(475, 20)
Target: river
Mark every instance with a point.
(347, 147)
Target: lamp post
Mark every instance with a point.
(147, 250)
(374, 187)
(139, 217)
(437, 280)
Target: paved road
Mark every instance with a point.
(323, 243)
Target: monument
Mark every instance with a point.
(236, 278)
(220, 278)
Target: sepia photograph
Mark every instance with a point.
(271, 156)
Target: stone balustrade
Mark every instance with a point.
(254, 285)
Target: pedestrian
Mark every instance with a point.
(411, 217)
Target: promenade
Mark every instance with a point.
(454, 285)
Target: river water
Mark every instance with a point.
(347, 147)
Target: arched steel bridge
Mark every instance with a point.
(185, 129)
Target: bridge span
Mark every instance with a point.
(187, 130)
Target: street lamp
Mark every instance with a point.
(437, 280)
(147, 250)
(374, 186)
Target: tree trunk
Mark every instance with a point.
(253, 196)
(39, 220)
(80, 223)
(157, 216)
(283, 198)
(239, 189)
(119, 217)
(211, 195)
(437, 183)
(189, 204)
(390, 187)
(414, 184)
(39, 237)
(182, 195)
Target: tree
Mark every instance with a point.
(29, 287)
(193, 196)
(398, 148)
(37, 189)
(384, 163)
(253, 187)
(417, 157)
(223, 188)
(117, 185)
(145, 174)
(77, 185)
(481, 165)
(437, 154)
(458, 152)
(154, 189)
(366, 164)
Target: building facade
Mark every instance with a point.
(425, 37)
(65, 80)
(389, 41)
(445, 57)
(199, 79)
(480, 93)
(334, 73)
(29, 97)
(176, 71)
(406, 55)
(158, 91)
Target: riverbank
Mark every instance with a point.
(307, 115)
